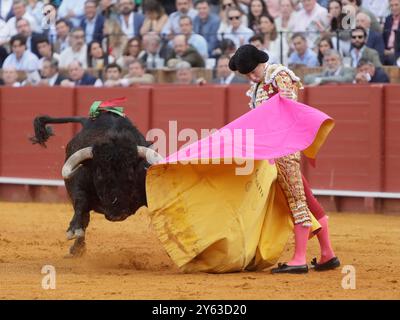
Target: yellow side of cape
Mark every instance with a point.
(209, 219)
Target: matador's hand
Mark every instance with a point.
(287, 93)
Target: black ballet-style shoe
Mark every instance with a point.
(329, 265)
(284, 268)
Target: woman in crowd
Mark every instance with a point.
(114, 40)
(257, 8)
(132, 51)
(97, 59)
(272, 39)
(325, 44)
(155, 17)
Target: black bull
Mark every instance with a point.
(104, 169)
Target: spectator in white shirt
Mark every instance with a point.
(46, 51)
(21, 58)
(183, 7)
(237, 32)
(311, 20)
(131, 22)
(195, 40)
(4, 32)
(19, 9)
(77, 51)
(5, 9)
(72, 10)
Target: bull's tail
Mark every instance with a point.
(43, 133)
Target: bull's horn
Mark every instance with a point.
(74, 162)
(150, 155)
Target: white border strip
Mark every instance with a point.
(32, 182)
(317, 192)
(362, 194)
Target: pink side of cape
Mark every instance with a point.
(276, 128)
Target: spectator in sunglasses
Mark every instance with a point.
(360, 50)
(236, 31)
(223, 14)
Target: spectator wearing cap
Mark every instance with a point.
(333, 71)
(195, 40)
(130, 21)
(236, 31)
(224, 75)
(19, 10)
(72, 10)
(182, 51)
(206, 24)
(368, 73)
(360, 50)
(183, 7)
(77, 50)
(391, 33)
(78, 77)
(50, 74)
(302, 55)
(92, 23)
(21, 58)
(374, 39)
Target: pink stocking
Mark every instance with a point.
(324, 241)
(301, 237)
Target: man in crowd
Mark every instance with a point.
(237, 31)
(207, 24)
(78, 77)
(195, 40)
(49, 73)
(72, 10)
(62, 40)
(92, 23)
(182, 51)
(368, 73)
(334, 71)
(19, 10)
(374, 39)
(77, 50)
(360, 50)
(113, 75)
(156, 52)
(224, 75)
(391, 33)
(46, 51)
(20, 58)
(183, 8)
(302, 55)
(10, 77)
(24, 28)
(130, 21)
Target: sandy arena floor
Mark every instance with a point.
(124, 260)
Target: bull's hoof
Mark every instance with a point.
(78, 249)
(75, 234)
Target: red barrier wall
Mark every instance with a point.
(19, 106)
(352, 158)
(195, 108)
(392, 138)
(362, 153)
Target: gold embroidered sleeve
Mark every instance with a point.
(284, 81)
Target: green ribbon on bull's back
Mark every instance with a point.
(107, 106)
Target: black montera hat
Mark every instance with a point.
(247, 58)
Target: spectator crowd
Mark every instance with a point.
(119, 43)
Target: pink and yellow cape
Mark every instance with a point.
(208, 217)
